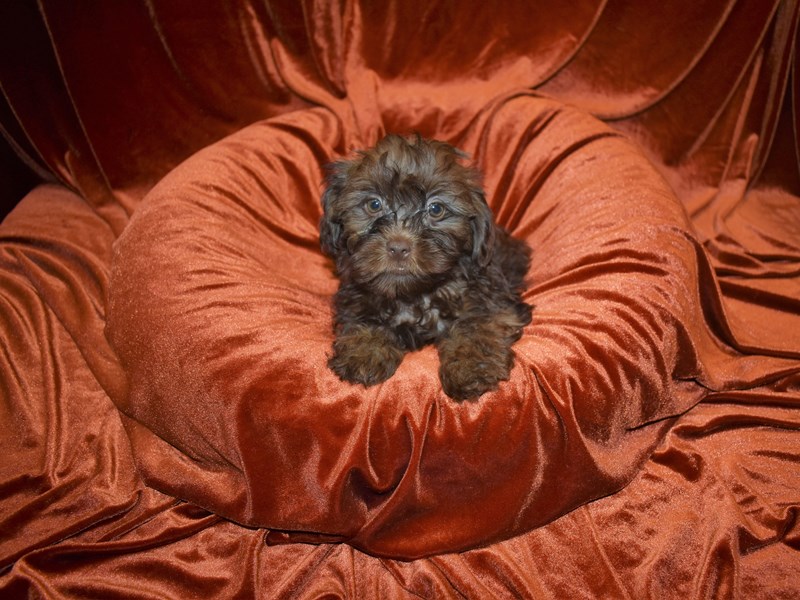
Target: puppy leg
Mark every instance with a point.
(476, 354)
(364, 354)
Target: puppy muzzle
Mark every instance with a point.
(398, 230)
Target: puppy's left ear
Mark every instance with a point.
(330, 227)
(483, 230)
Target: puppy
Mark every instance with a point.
(420, 261)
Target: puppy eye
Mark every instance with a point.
(374, 205)
(436, 210)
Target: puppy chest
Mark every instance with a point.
(425, 318)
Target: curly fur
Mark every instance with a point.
(420, 261)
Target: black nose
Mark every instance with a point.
(398, 247)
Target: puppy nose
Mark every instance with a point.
(398, 247)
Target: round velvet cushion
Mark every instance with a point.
(220, 311)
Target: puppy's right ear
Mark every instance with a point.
(330, 226)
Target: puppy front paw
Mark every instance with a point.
(468, 369)
(467, 380)
(365, 355)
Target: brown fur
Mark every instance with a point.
(420, 261)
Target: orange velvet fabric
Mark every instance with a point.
(220, 310)
(170, 426)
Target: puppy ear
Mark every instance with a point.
(483, 231)
(330, 228)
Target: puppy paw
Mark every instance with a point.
(469, 369)
(365, 355)
(467, 380)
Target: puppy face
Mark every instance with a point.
(399, 217)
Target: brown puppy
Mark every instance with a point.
(420, 261)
